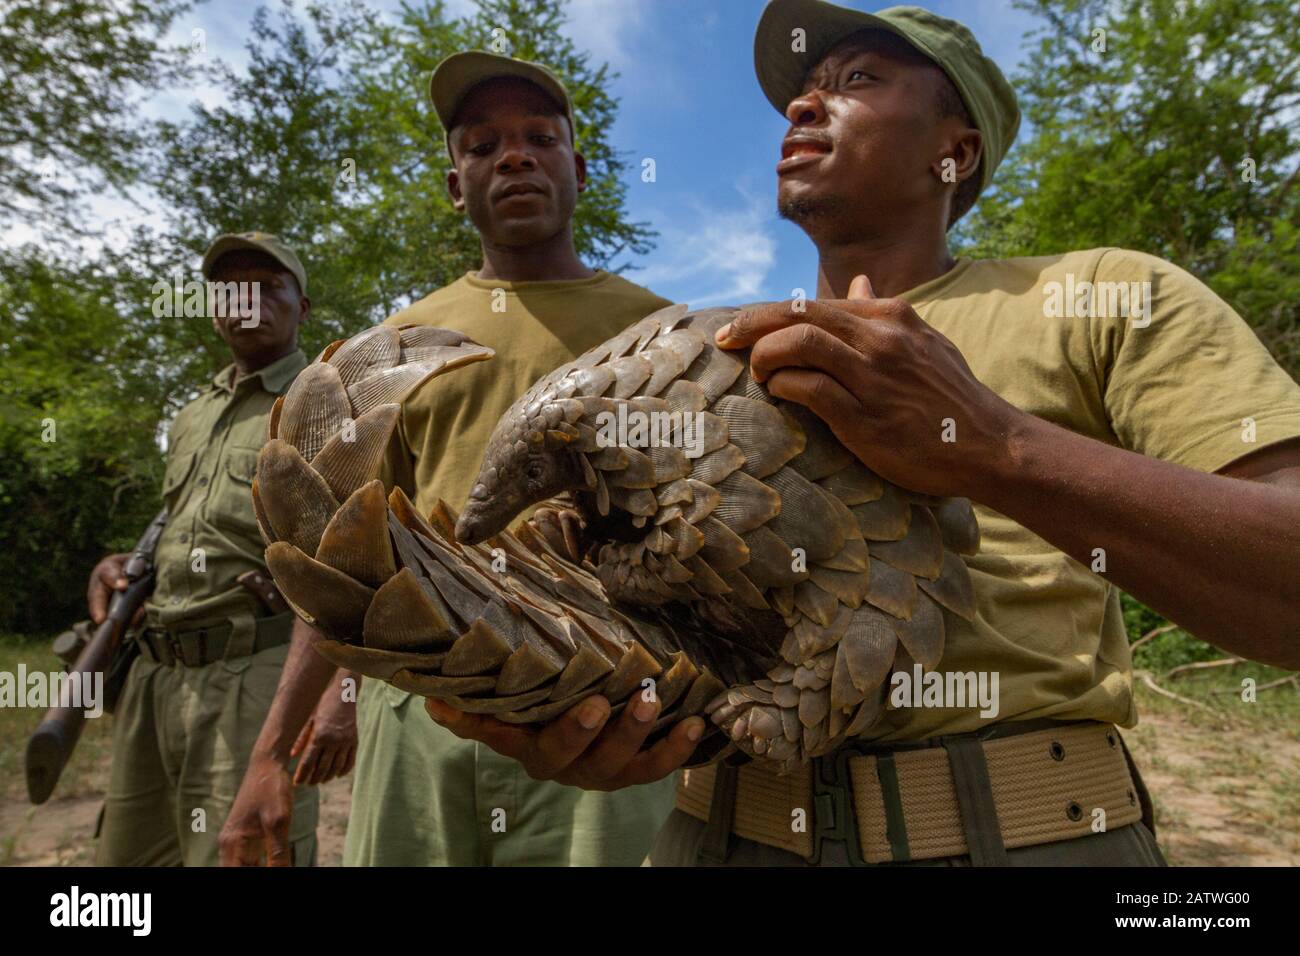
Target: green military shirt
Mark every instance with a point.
(212, 536)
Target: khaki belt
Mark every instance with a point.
(205, 645)
(950, 796)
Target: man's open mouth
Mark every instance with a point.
(801, 150)
(804, 146)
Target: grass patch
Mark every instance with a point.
(84, 772)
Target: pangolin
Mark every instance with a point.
(746, 565)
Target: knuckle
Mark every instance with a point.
(895, 309)
(807, 337)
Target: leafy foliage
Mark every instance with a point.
(73, 70)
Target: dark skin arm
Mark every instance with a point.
(327, 744)
(258, 824)
(1215, 553)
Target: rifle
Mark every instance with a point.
(53, 741)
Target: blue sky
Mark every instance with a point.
(689, 100)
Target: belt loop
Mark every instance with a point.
(243, 634)
(979, 814)
(895, 824)
(716, 844)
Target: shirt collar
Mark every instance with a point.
(274, 378)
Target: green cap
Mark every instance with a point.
(781, 66)
(459, 73)
(258, 242)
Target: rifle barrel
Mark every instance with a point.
(51, 745)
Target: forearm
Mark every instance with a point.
(305, 677)
(1217, 555)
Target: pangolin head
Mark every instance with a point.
(532, 455)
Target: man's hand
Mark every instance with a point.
(108, 576)
(328, 741)
(577, 748)
(258, 824)
(886, 383)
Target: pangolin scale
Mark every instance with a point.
(748, 568)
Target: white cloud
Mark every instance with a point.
(712, 254)
(603, 27)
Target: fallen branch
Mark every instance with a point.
(1290, 679)
(1154, 632)
(1147, 679)
(1202, 665)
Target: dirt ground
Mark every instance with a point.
(1225, 794)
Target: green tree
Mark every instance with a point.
(1168, 126)
(73, 71)
(79, 411)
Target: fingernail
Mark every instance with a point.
(643, 710)
(695, 730)
(591, 714)
(722, 333)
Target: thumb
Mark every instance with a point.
(860, 288)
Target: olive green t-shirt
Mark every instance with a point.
(533, 327)
(1186, 381)
(212, 536)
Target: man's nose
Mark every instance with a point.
(806, 109)
(515, 157)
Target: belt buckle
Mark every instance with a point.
(834, 816)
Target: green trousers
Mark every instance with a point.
(182, 737)
(422, 796)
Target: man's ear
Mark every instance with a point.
(580, 170)
(304, 310)
(453, 190)
(964, 149)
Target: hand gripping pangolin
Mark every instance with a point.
(749, 566)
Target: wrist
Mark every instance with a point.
(274, 751)
(1003, 453)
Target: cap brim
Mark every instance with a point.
(227, 244)
(459, 73)
(780, 69)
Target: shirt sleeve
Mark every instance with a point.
(1184, 378)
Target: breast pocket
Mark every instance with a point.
(177, 472)
(232, 503)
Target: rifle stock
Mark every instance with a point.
(53, 741)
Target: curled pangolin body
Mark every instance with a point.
(748, 566)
